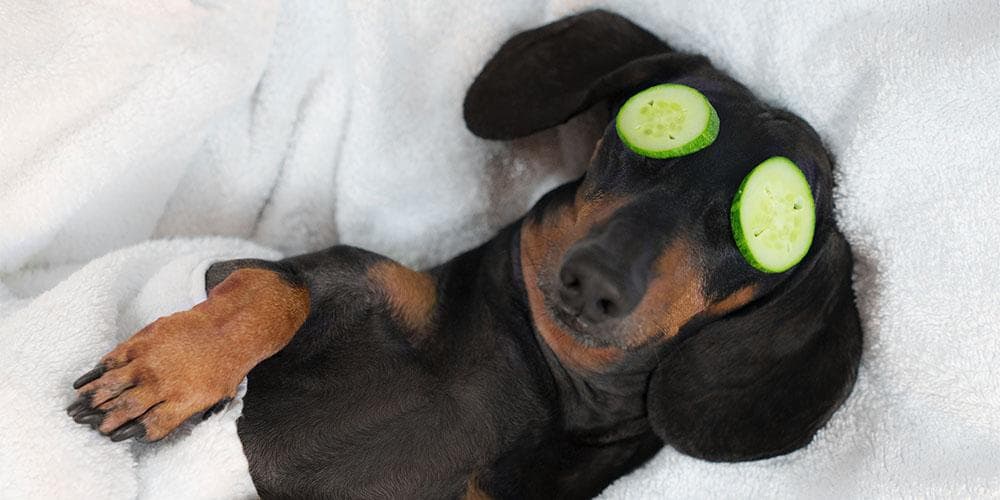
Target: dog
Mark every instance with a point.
(616, 317)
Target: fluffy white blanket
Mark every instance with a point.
(294, 125)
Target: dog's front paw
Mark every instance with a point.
(176, 367)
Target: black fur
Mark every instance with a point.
(350, 409)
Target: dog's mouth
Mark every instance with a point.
(588, 334)
(567, 319)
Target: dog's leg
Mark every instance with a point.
(188, 362)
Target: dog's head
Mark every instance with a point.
(638, 256)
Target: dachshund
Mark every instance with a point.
(616, 317)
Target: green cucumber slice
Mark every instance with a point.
(667, 121)
(773, 215)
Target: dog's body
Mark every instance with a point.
(616, 317)
(472, 403)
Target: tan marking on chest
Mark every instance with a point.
(474, 492)
(412, 295)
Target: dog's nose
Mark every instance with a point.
(596, 288)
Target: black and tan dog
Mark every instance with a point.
(616, 317)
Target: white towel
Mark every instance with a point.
(300, 124)
(50, 338)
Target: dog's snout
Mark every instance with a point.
(592, 288)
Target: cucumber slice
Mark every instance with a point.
(667, 121)
(773, 215)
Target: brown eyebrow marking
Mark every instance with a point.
(412, 295)
(734, 301)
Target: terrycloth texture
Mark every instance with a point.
(303, 124)
(50, 338)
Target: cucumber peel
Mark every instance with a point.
(667, 121)
(773, 216)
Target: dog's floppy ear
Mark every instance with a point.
(542, 77)
(761, 381)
